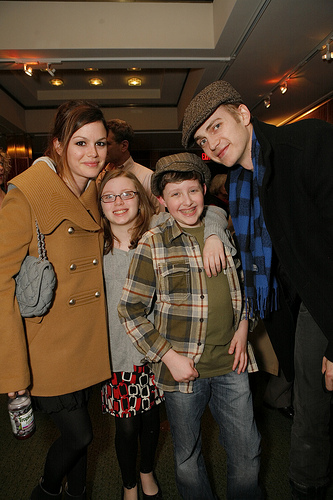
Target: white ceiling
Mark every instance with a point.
(179, 46)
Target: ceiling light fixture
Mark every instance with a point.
(133, 69)
(134, 82)
(49, 70)
(56, 82)
(28, 70)
(91, 69)
(328, 56)
(284, 87)
(96, 82)
(267, 102)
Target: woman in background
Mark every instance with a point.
(5, 167)
(60, 355)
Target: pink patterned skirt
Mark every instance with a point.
(127, 394)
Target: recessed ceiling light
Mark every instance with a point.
(96, 82)
(134, 82)
(56, 82)
(91, 69)
(133, 69)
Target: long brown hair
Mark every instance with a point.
(70, 117)
(146, 210)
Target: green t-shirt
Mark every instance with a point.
(215, 359)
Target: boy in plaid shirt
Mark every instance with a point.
(198, 342)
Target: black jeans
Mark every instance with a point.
(310, 441)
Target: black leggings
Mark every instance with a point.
(68, 454)
(144, 427)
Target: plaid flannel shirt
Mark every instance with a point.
(167, 276)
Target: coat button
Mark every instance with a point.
(202, 296)
(72, 267)
(200, 270)
(97, 294)
(72, 302)
(71, 230)
(95, 262)
(201, 320)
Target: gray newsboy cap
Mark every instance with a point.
(204, 104)
(182, 162)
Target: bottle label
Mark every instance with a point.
(23, 423)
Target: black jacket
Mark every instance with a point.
(297, 201)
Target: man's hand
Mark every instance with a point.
(327, 368)
(213, 256)
(181, 367)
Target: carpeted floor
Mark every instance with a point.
(21, 462)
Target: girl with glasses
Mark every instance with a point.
(131, 394)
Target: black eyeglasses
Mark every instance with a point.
(111, 198)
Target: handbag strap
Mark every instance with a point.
(41, 243)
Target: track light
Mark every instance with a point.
(28, 70)
(328, 54)
(49, 70)
(267, 102)
(284, 88)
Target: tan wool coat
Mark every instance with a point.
(67, 349)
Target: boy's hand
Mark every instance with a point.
(239, 347)
(213, 256)
(181, 367)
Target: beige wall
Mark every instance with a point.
(96, 25)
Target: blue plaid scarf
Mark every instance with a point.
(253, 238)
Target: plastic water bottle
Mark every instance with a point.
(21, 416)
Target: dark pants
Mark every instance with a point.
(310, 440)
(68, 454)
(143, 427)
(278, 393)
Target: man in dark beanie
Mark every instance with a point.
(281, 204)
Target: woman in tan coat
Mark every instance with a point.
(60, 355)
